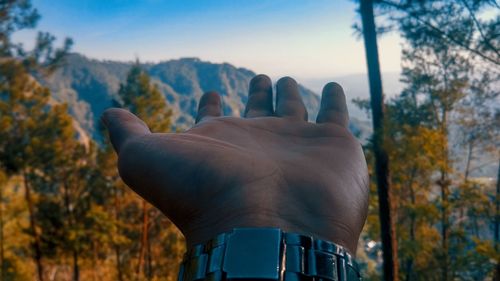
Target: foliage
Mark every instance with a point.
(145, 100)
(16, 15)
(458, 23)
(56, 220)
(65, 213)
(444, 217)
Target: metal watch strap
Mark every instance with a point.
(267, 253)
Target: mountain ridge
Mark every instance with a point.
(89, 86)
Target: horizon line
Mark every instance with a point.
(132, 61)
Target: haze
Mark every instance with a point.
(304, 39)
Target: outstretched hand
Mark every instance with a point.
(271, 168)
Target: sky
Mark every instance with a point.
(300, 38)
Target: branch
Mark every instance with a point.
(442, 33)
(478, 25)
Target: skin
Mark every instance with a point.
(271, 168)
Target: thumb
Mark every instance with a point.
(123, 126)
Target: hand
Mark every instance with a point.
(271, 168)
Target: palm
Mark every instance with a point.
(228, 172)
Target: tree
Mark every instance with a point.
(107, 209)
(62, 182)
(388, 233)
(496, 227)
(448, 46)
(479, 136)
(415, 141)
(145, 100)
(16, 15)
(455, 23)
(413, 157)
(23, 102)
(3, 267)
(32, 129)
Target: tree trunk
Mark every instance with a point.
(144, 239)
(117, 246)
(496, 235)
(388, 233)
(95, 272)
(149, 264)
(469, 159)
(444, 224)
(36, 238)
(409, 262)
(445, 190)
(71, 221)
(76, 269)
(118, 263)
(2, 254)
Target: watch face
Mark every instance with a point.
(253, 253)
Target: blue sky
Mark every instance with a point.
(301, 38)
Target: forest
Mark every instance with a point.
(65, 214)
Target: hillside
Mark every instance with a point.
(90, 86)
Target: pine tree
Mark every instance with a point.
(413, 157)
(415, 140)
(107, 211)
(23, 102)
(448, 48)
(62, 180)
(22, 105)
(457, 23)
(144, 99)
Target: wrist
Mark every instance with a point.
(201, 230)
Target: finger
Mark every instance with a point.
(210, 106)
(123, 126)
(288, 100)
(260, 97)
(333, 107)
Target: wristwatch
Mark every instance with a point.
(267, 254)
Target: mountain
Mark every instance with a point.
(90, 86)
